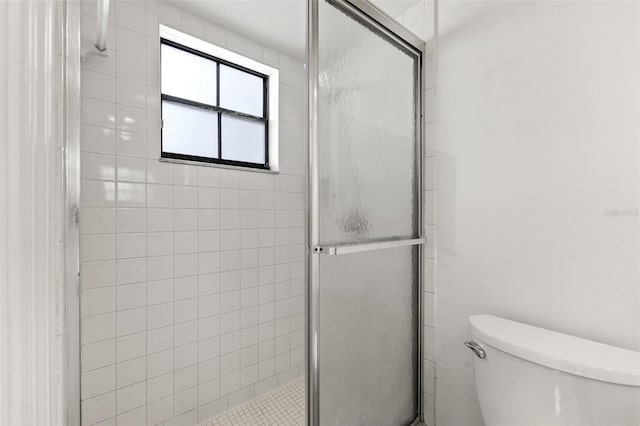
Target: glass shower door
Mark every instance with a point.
(365, 230)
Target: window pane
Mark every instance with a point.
(189, 130)
(188, 76)
(241, 91)
(243, 139)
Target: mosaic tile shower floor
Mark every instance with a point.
(281, 407)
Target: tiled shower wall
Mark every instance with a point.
(192, 276)
(429, 206)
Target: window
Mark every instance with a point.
(215, 105)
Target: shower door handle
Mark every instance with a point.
(361, 247)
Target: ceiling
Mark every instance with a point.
(280, 24)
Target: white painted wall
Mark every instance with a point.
(538, 148)
(192, 276)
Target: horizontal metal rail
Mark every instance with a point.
(362, 247)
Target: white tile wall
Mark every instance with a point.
(192, 277)
(429, 204)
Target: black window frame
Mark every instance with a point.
(219, 111)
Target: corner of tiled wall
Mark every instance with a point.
(192, 277)
(430, 118)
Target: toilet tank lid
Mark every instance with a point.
(559, 351)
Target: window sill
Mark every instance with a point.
(216, 165)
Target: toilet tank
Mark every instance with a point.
(537, 377)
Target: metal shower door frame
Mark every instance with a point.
(374, 17)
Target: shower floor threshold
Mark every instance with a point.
(283, 406)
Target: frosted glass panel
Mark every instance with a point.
(241, 91)
(368, 320)
(188, 76)
(367, 167)
(243, 140)
(367, 133)
(189, 130)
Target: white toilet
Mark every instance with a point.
(531, 376)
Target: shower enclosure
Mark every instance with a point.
(365, 221)
(193, 276)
